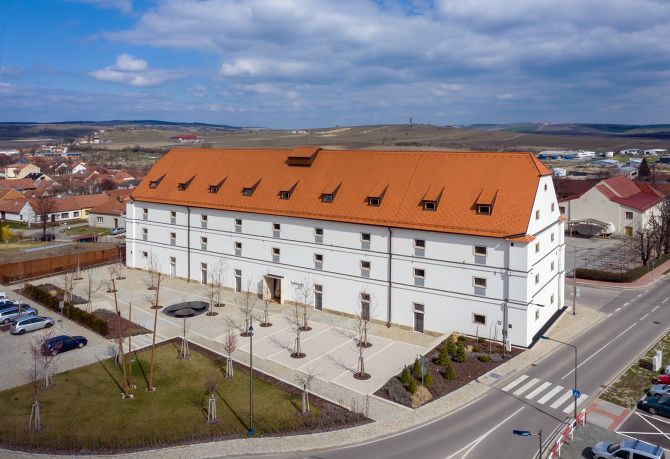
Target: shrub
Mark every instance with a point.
(416, 369)
(412, 386)
(450, 347)
(443, 356)
(461, 339)
(481, 340)
(613, 276)
(476, 349)
(449, 372)
(460, 355)
(484, 358)
(397, 392)
(405, 377)
(427, 379)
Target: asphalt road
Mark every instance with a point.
(652, 429)
(483, 428)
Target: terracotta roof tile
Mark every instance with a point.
(410, 175)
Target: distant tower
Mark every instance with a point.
(410, 121)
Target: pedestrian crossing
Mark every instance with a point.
(541, 392)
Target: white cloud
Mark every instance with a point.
(133, 72)
(125, 6)
(7, 88)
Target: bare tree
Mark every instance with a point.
(296, 326)
(214, 287)
(246, 301)
(218, 281)
(68, 282)
(229, 346)
(153, 270)
(304, 298)
(44, 207)
(305, 381)
(47, 358)
(120, 336)
(211, 381)
(365, 308)
(155, 307)
(93, 286)
(78, 272)
(120, 268)
(33, 375)
(660, 225)
(267, 301)
(644, 242)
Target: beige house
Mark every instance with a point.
(20, 170)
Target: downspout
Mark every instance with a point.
(188, 245)
(390, 282)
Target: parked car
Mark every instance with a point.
(63, 343)
(28, 324)
(656, 405)
(663, 379)
(4, 304)
(8, 315)
(46, 237)
(3, 296)
(627, 448)
(115, 231)
(659, 389)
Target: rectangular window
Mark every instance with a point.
(213, 188)
(203, 243)
(173, 238)
(318, 258)
(419, 273)
(365, 306)
(326, 197)
(418, 307)
(479, 319)
(552, 265)
(552, 237)
(365, 265)
(629, 215)
(318, 297)
(537, 248)
(173, 217)
(284, 194)
(75, 213)
(145, 214)
(561, 209)
(537, 214)
(418, 310)
(419, 244)
(145, 254)
(276, 230)
(99, 219)
(203, 218)
(203, 273)
(483, 209)
(373, 201)
(365, 237)
(318, 235)
(537, 278)
(238, 280)
(551, 300)
(479, 282)
(248, 191)
(65, 215)
(238, 225)
(553, 206)
(238, 248)
(480, 250)
(145, 233)
(430, 206)
(181, 187)
(153, 184)
(275, 253)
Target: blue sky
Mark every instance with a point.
(310, 63)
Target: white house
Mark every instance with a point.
(630, 151)
(618, 200)
(656, 152)
(430, 241)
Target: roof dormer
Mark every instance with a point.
(376, 195)
(302, 156)
(431, 198)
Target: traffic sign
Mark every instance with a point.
(576, 393)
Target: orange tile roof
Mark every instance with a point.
(457, 177)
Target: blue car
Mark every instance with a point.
(63, 343)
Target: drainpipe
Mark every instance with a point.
(506, 279)
(390, 283)
(188, 245)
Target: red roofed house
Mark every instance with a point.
(185, 138)
(618, 200)
(111, 213)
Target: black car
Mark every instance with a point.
(63, 343)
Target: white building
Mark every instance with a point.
(630, 151)
(441, 241)
(656, 152)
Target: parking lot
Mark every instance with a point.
(611, 254)
(15, 360)
(652, 429)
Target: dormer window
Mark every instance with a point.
(181, 186)
(483, 209)
(284, 194)
(213, 188)
(374, 201)
(247, 191)
(327, 197)
(153, 184)
(430, 205)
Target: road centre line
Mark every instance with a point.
(617, 310)
(644, 316)
(471, 445)
(655, 308)
(663, 302)
(599, 350)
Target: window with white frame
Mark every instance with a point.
(419, 244)
(365, 306)
(537, 247)
(173, 237)
(318, 258)
(419, 273)
(203, 218)
(479, 318)
(318, 232)
(238, 224)
(479, 282)
(65, 215)
(203, 242)
(75, 213)
(238, 248)
(99, 219)
(629, 215)
(276, 252)
(561, 209)
(480, 250)
(365, 237)
(365, 265)
(537, 214)
(276, 228)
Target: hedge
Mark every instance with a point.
(69, 310)
(612, 276)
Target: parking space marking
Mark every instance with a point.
(562, 399)
(652, 417)
(550, 394)
(647, 421)
(538, 390)
(526, 386)
(515, 383)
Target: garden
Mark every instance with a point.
(454, 363)
(196, 398)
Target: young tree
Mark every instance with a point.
(660, 225)
(295, 324)
(229, 346)
(155, 307)
(184, 352)
(304, 298)
(43, 207)
(153, 270)
(68, 282)
(5, 233)
(218, 281)
(33, 374)
(359, 331)
(246, 301)
(305, 381)
(112, 271)
(47, 358)
(267, 301)
(120, 336)
(211, 382)
(93, 286)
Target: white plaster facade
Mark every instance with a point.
(524, 278)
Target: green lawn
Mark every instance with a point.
(78, 230)
(627, 390)
(85, 411)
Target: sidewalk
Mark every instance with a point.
(651, 278)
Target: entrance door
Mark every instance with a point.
(275, 289)
(203, 273)
(173, 267)
(318, 297)
(238, 280)
(116, 223)
(418, 321)
(629, 231)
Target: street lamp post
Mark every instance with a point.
(575, 392)
(526, 433)
(251, 380)
(574, 281)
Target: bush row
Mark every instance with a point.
(78, 315)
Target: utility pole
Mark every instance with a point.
(251, 380)
(574, 281)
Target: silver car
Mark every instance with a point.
(636, 449)
(660, 389)
(28, 324)
(8, 315)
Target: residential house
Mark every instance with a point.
(20, 170)
(427, 241)
(111, 213)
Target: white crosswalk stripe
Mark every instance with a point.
(544, 392)
(515, 383)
